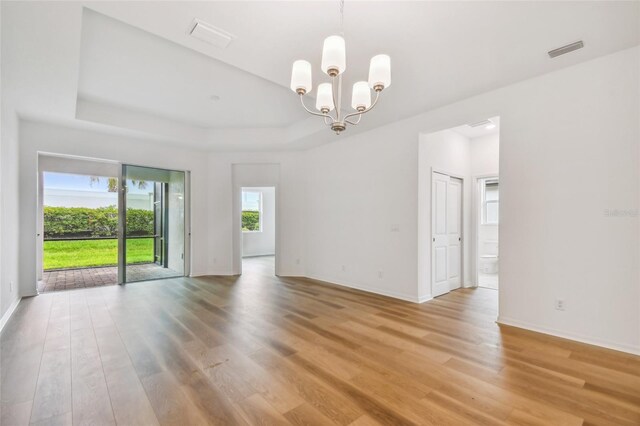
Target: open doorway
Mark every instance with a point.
(258, 229)
(459, 206)
(153, 221)
(488, 195)
(80, 225)
(103, 223)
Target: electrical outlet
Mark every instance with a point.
(297, 261)
(560, 304)
(11, 286)
(215, 260)
(380, 274)
(344, 268)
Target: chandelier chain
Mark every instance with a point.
(341, 16)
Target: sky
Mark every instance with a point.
(250, 200)
(83, 183)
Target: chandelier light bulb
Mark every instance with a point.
(301, 77)
(334, 55)
(324, 99)
(380, 72)
(361, 97)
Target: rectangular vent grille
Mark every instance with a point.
(210, 34)
(480, 123)
(566, 49)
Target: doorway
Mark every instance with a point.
(458, 204)
(258, 224)
(152, 221)
(103, 223)
(79, 231)
(446, 228)
(488, 217)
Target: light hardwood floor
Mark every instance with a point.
(263, 350)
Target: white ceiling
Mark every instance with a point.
(139, 69)
(124, 66)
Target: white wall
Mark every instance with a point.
(24, 79)
(2, 138)
(262, 243)
(484, 155)
(568, 151)
(362, 211)
(9, 292)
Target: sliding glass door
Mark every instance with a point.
(152, 224)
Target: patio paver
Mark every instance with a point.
(68, 279)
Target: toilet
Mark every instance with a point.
(489, 257)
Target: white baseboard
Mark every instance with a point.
(285, 274)
(213, 273)
(393, 294)
(570, 336)
(423, 299)
(7, 315)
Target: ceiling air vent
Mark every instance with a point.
(480, 123)
(566, 49)
(210, 34)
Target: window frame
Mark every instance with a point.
(484, 220)
(260, 209)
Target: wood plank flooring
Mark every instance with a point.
(261, 350)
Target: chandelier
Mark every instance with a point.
(329, 95)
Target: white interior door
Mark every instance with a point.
(454, 230)
(446, 218)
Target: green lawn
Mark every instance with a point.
(83, 253)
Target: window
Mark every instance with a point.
(251, 211)
(490, 202)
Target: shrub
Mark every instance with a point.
(250, 220)
(79, 222)
(139, 222)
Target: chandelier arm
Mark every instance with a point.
(354, 123)
(375, 101)
(315, 113)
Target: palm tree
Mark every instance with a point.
(112, 183)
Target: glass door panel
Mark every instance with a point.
(153, 224)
